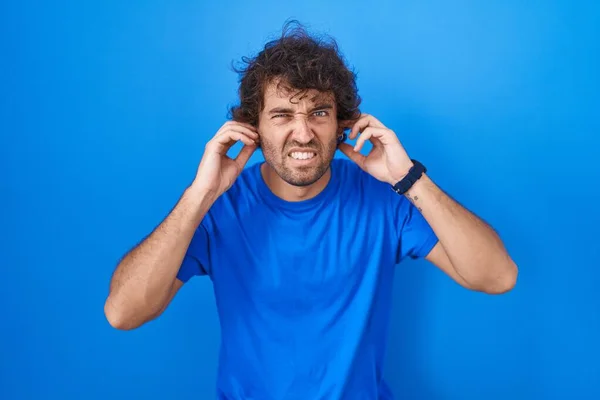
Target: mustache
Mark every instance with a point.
(308, 146)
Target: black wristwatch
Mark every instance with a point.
(415, 172)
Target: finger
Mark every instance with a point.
(239, 127)
(358, 158)
(226, 140)
(374, 121)
(237, 130)
(363, 122)
(366, 134)
(239, 136)
(244, 155)
(244, 124)
(375, 135)
(252, 133)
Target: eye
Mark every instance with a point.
(280, 115)
(321, 113)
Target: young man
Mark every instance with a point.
(301, 249)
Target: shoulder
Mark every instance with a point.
(360, 188)
(238, 200)
(244, 189)
(247, 181)
(350, 174)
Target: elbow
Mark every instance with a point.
(502, 282)
(117, 318)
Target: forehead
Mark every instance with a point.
(279, 95)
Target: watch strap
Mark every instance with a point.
(413, 175)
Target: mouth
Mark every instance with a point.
(303, 157)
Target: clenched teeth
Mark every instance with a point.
(302, 155)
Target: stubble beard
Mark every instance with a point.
(299, 176)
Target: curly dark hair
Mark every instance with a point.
(299, 62)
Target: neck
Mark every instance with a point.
(287, 192)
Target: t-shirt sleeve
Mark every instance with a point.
(196, 259)
(416, 237)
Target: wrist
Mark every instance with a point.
(198, 189)
(397, 176)
(419, 187)
(201, 197)
(414, 173)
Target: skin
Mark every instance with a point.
(307, 124)
(145, 282)
(469, 250)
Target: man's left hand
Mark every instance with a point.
(387, 161)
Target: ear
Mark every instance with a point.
(344, 125)
(342, 132)
(258, 143)
(341, 136)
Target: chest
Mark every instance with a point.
(302, 263)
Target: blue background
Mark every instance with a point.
(106, 107)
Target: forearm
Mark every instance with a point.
(473, 247)
(142, 282)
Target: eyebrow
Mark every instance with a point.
(284, 110)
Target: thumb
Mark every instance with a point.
(244, 155)
(351, 154)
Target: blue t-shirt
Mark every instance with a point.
(304, 289)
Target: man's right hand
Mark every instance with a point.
(145, 279)
(217, 172)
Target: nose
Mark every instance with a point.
(302, 131)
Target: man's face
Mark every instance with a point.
(298, 135)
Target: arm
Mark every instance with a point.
(468, 250)
(144, 282)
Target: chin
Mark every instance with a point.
(302, 176)
(301, 181)
(297, 173)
